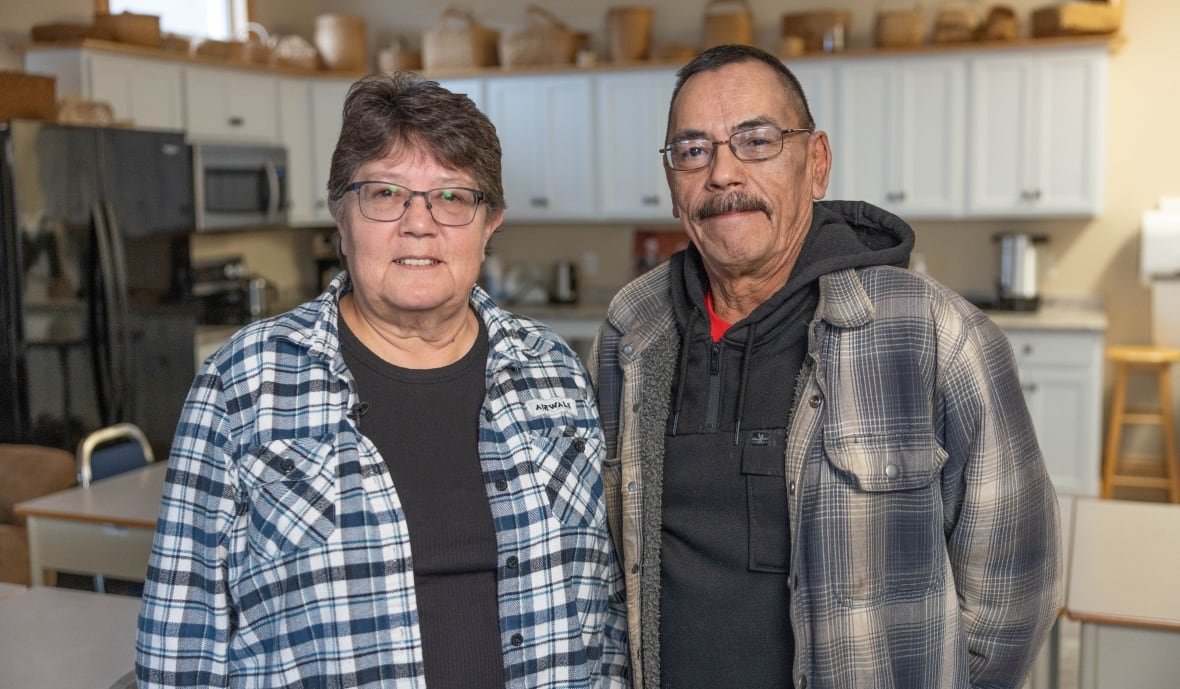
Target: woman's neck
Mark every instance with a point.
(420, 341)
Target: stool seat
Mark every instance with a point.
(1143, 354)
(1157, 361)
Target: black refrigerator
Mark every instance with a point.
(95, 296)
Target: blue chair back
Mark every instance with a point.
(112, 450)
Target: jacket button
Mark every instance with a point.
(802, 683)
(487, 414)
(814, 401)
(501, 485)
(512, 562)
(635, 569)
(792, 489)
(580, 445)
(628, 349)
(635, 407)
(632, 487)
(517, 639)
(892, 471)
(287, 465)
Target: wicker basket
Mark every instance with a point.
(458, 40)
(1002, 24)
(898, 28)
(954, 23)
(396, 57)
(343, 42)
(137, 29)
(813, 26)
(546, 41)
(27, 96)
(1077, 18)
(727, 21)
(68, 31)
(628, 32)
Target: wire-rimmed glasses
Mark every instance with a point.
(748, 145)
(386, 202)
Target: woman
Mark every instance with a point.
(395, 484)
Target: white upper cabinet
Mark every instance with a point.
(327, 116)
(818, 79)
(632, 116)
(310, 115)
(147, 92)
(1038, 126)
(898, 141)
(472, 88)
(230, 104)
(547, 138)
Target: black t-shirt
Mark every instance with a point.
(425, 424)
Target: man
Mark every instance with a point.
(820, 469)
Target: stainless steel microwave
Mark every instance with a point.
(239, 186)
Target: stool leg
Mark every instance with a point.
(1114, 435)
(1171, 470)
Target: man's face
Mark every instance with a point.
(413, 264)
(748, 219)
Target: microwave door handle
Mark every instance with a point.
(273, 195)
(122, 333)
(101, 308)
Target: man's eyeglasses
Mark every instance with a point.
(386, 202)
(747, 145)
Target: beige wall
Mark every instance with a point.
(1088, 259)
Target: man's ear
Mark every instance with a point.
(819, 157)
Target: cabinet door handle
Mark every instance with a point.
(895, 196)
(1029, 388)
(236, 121)
(650, 200)
(539, 202)
(1026, 349)
(320, 203)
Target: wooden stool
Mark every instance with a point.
(1155, 360)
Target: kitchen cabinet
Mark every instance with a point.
(899, 134)
(148, 92)
(1061, 375)
(310, 115)
(230, 104)
(1038, 123)
(548, 141)
(818, 79)
(631, 123)
(473, 88)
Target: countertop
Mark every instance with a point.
(1052, 316)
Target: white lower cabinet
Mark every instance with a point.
(1061, 376)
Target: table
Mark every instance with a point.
(104, 528)
(1123, 591)
(1045, 673)
(51, 637)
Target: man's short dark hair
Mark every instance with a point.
(402, 112)
(722, 55)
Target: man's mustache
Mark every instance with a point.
(731, 203)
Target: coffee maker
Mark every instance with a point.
(1017, 288)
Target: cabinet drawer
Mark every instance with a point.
(1053, 348)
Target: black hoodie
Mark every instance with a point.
(724, 603)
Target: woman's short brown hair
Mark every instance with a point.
(401, 112)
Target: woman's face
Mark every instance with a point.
(413, 266)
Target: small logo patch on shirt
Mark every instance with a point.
(759, 438)
(551, 407)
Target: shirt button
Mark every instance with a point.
(792, 488)
(802, 683)
(814, 401)
(517, 639)
(501, 485)
(487, 414)
(635, 407)
(512, 562)
(632, 487)
(627, 349)
(287, 465)
(892, 471)
(579, 444)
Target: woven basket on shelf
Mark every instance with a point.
(898, 28)
(343, 42)
(727, 21)
(954, 23)
(628, 32)
(458, 40)
(545, 41)
(1078, 18)
(397, 57)
(27, 96)
(137, 29)
(1001, 24)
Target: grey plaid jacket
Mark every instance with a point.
(282, 557)
(925, 550)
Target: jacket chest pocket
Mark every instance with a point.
(566, 465)
(291, 494)
(886, 519)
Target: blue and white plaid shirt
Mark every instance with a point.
(282, 557)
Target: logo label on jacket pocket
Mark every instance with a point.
(558, 406)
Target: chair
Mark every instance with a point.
(1115, 466)
(112, 450)
(26, 472)
(108, 452)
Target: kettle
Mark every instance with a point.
(1017, 287)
